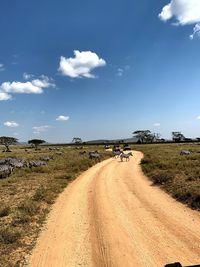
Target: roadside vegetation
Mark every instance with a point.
(27, 195)
(177, 174)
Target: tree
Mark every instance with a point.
(177, 137)
(36, 142)
(8, 141)
(77, 140)
(145, 136)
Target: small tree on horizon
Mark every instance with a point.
(145, 136)
(177, 137)
(77, 140)
(36, 142)
(8, 141)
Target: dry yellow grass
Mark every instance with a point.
(177, 174)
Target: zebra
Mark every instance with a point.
(5, 171)
(125, 156)
(37, 163)
(116, 154)
(95, 155)
(185, 152)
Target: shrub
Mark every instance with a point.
(29, 207)
(196, 202)
(9, 235)
(40, 194)
(20, 218)
(161, 177)
(4, 211)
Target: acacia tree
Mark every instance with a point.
(36, 142)
(8, 141)
(145, 136)
(177, 137)
(77, 140)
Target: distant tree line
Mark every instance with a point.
(146, 136)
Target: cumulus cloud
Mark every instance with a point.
(81, 65)
(62, 118)
(157, 124)
(40, 129)
(198, 117)
(11, 124)
(185, 12)
(29, 87)
(4, 96)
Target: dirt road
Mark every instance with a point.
(111, 216)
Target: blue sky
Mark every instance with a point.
(136, 66)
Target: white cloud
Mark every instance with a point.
(62, 118)
(20, 88)
(157, 124)
(11, 124)
(198, 118)
(27, 76)
(30, 87)
(81, 65)
(40, 129)
(166, 13)
(4, 96)
(185, 12)
(196, 32)
(120, 72)
(2, 67)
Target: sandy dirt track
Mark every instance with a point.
(111, 216)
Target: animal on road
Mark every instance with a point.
(116, 154)
(125, 156)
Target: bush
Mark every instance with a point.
(4, 211)
(29, 207)
(46, 194)
(9, 235)
(40, 194)
(21, 218)
(161, 177)
(196, 202)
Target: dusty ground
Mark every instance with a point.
(112, 216)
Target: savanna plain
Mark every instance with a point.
(28, 194)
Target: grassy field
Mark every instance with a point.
(26, 197)
(177, 174)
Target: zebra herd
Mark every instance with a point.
(117, 154)
(8, 165)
